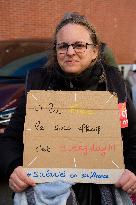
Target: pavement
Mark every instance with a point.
(5, 193)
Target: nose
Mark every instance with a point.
(70, 50)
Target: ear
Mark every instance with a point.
(94, 52)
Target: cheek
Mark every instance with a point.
(90, 57)
(86, 60)
(60, 59)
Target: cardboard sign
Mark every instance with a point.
(73, 136)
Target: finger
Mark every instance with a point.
(131, 182)
(123, 179)
(128, 185)
(132, 190)
(15, 187)
(23, 176)
(19, 180)
(16, 183)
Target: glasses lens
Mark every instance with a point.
(62, 48)
(79, 47)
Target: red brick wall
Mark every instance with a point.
(32, 19)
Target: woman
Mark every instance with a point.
(75, 65)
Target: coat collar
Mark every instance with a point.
(88, 79)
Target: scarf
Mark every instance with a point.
(61, 193)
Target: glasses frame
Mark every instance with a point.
(73, 46)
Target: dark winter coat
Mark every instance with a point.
(100, 78)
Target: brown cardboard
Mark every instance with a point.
(78, 130)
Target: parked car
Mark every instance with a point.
(12, 83)
(10, 91)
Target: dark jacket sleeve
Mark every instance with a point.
(129, 138)
(11, 142)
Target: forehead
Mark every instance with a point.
(73, 32)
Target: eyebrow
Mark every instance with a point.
(71, 43)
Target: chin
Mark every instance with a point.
(72, 70)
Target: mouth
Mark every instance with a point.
(71, 61)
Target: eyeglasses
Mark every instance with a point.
(79, 47)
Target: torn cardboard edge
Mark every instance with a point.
(97, 176)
